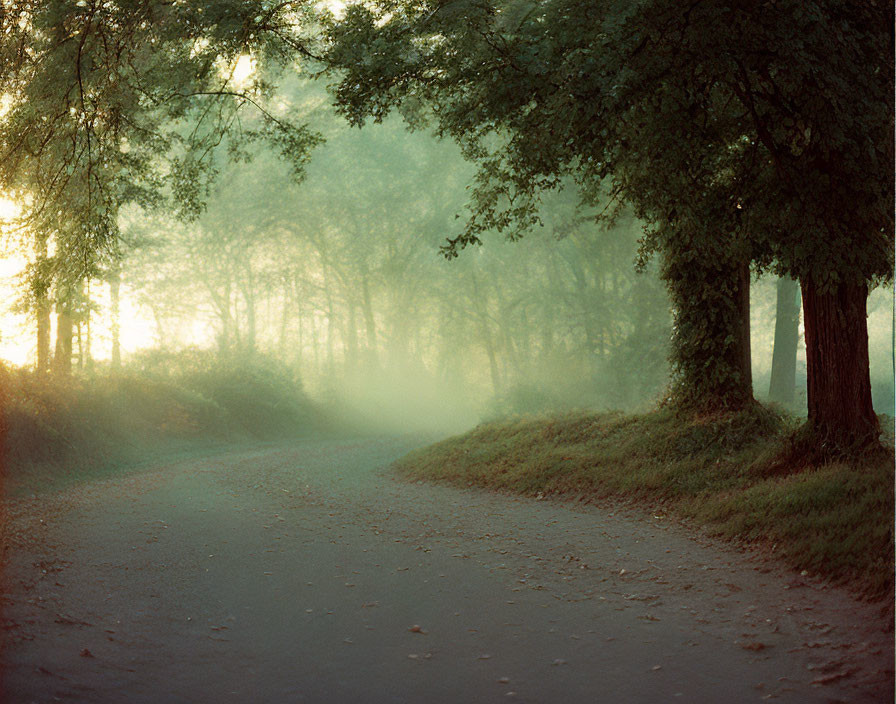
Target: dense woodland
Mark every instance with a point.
(548, 204)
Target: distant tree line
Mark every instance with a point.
(340, 278)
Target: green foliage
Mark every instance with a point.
(563, 311)
(835, 519)
(707, 323)
(116, 103)
(761, 132)
(58, 425)
(258, 395)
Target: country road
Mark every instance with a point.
(304, 572)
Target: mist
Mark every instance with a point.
(391, 351)
(340, 279)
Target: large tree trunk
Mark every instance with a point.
(782, 384)
(62, 360)
(710, 350)
(43, 334)
(42, 309)
(841, 415)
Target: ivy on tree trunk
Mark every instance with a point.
(711, 332)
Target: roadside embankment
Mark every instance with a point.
(57, 429)
(721, 472)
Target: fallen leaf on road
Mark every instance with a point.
(833, 677)
(69, 621)
(86, 653)
(416, 629)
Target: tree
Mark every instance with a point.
(517, 87)
(782, 384)
(809, 81)
(116, 103)
(348, 287)
(738, 131)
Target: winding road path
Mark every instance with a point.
(305, 573)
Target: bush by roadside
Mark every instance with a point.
(55, 428)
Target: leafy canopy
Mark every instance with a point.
(762, 126)
(110, 102)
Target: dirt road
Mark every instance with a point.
(305, 573)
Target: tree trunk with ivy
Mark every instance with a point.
(710, 355)
(841, 415)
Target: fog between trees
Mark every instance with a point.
(340, 279)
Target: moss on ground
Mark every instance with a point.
(723, 472)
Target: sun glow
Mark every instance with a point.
(15, 343)
(9, 209)
(242, 70)
(18, 343)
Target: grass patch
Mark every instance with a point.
(721, 471)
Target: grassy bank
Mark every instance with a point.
(58, 429)
(834, 520)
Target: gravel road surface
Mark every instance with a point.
(304, 572)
